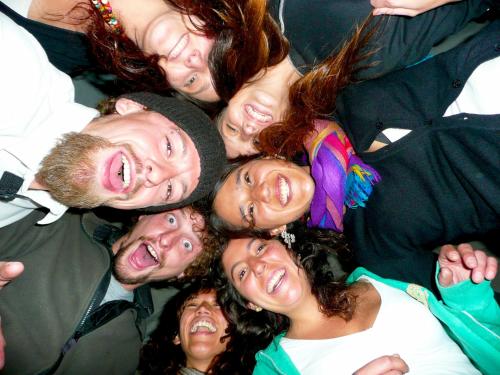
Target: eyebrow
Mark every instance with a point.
(181, 136)
(184, 189)
(248, 247)
(238, 186)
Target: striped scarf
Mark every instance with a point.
(342, 179)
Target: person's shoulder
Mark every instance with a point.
(19, 46)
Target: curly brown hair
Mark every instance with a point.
(310, 252)
(313, 96)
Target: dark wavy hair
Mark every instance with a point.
(161, 356)
(310, 251)
(313, 96)
(247, 39)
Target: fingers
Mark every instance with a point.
(464, 262)
(385, 365)
(487, 267)
(468, 256)
(9, 271)
(448, 253)
(491, 268)
(478, 271)
(445, 277)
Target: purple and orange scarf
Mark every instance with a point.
(342, 179)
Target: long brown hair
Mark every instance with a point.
(313, 96)
(247, 39)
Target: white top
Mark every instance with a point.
(403, 326)
(19, 6)
(36, 107)
(481, 92)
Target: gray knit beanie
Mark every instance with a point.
(202, 132)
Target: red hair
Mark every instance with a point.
(247, 39)
(313, 96)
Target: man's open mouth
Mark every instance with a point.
(117, 176)
(144, 256)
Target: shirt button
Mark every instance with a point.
(456, 83)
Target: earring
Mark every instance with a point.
(288, 238)
(258, 309)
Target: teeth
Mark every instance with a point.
(126, 172)
(273, 283)
(284, 191)
(258, 115)
(178, 47)
(203, 324)
(152, 252)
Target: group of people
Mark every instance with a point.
(188, 226)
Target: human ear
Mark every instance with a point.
(176, 340)
(125, 106)
(277, 230)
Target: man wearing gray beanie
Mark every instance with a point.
(155, 152)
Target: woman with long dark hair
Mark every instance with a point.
(194, 336)
(323, 325)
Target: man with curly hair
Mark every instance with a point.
(83, 303)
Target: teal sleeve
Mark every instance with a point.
(475, 299)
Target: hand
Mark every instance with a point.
(410, 8)
(9, 271)
(463, 263)
(385, 365)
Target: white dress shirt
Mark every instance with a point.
(36, 107)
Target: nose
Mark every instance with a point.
(257, 265)
(203, 309)
(156, 174)
(250, 129)
(261, 193)
(165, 240)
(194, 60)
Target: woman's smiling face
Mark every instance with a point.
(264, 193)
(183, 53)
(265, 274)
(260, 103)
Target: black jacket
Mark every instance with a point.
(316, 28)
(440, 182)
